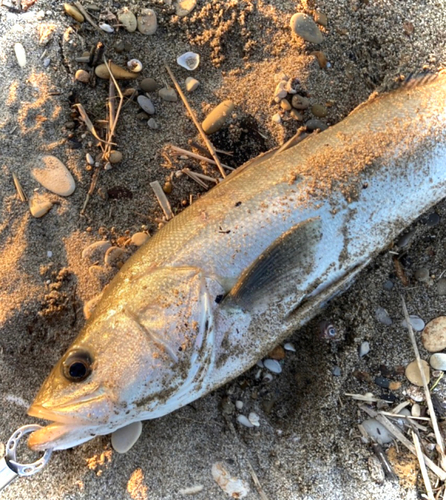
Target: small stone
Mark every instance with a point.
(185, 7)
(139, 239)
(413, 373)
(276, 118)
(304, 26)
(405, 239)
(289, 347)
(433, 219)
(441, 286)
(115, 257)
(106, 27)
(149, 85)
(280, 91)
(241, 419)
(39, 206)
(73, 12)
(434, 335)
(377, 431)
(119, 46)
(167, 188)
(285, 105)
(416, 322)
(20, 54)
(388, 285)
(124, 438)
(336, 371)
(364, 349)
(383, 316)
(422, 275)
(152, 124)
(128, 19)
(239, 405)
(315, 124)
(321, 59)
(319, 110)
(168, 94)
(438, 361)
(416, 410)
(142, 116)
(254, 419)
(115, 157)
(300, 102)
(82, 76)
(53, 175)
(89, 159)
(272, 365)
(46, 62)
(277, 353)
(96, 251)
(296, 115)
(191, 84)
(147, 22)
(217, 117)
(321, 18)
(146, 104)
(119, 73)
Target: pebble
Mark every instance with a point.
(147, 22)
(304, 26)
(276, 118)
(168, 94)
(106, 27)
(53, 175)
(89, 159)
(321, 58)
(46, 62)
(20, 54)
(96, 251)
(315, 124)
(239, 404)
(405, 239)
(254, 419)
(272, 365)
(416, 410)
(134, 65)
(433, 219)
(217, 117)
(152, 124)
(149, 85)
(146, 104)
(289, 347)
(434, 335)
(82, 76)
(73, 12)
(128, 19)
(441, 286)
(422, 275)
(300, 102)
(191, 84)
(321, 18)
(277, 353)
(336, 371)
(123, 439)
(118, 72)
(364, 349)
(413, 373)
(39, 206)
(189, 60)
(115, 257)
(185, 7)
(383, 316)
(285, 105)
(296, 115)
(280, 91)
(388, 285)
(115, 157)
(438, 361)
(319, 110)
(139, 239)
(416, 322)
(241, 419)
(377, 431)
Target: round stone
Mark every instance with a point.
(285, 105)
(39, 206)
(416, 322)
(146, 104)
(441, 286)
(53, 175)
(217, 117)
(413, 373)
(82, 76)
(191, 84)
(115, 157)
(434, 335)
(96, 251)
(422, 274)
(185, 7)
(300, 102)
(377, 431)
(124, 438)
(304, 26)
(319, 110)
(147, 22)
(139, 239)
(438, 361)
(118, 72)
(168, 94)
(152, 124)
(149, 85)
(128, 19)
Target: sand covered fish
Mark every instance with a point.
(239, 270)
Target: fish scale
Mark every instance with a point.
(246, 264)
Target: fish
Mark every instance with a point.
(246, 265)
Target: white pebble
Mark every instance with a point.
(124, 438)
(46, 62)
(272, 365)
(20, 54)
(276, 118)
(192, 490)
(241, 419)
(289, 347)
(106, 27)
(416, 410)
(151, 122)
(191, 84)
(377, 431)
(53, 175)
(49, 254)
(39, 207)
(383, 316)
(416, 322)
(254, 419)
(364, 349)
(438, 361)
(239, 405)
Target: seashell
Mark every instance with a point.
(272, 365)
(134, 65)
(189, 60)
(289, 347)
(327, 330)
(39, 206)
(20, 54)
(254, 419)
(106, 27)
(232, 486)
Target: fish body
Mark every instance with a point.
(245, 265)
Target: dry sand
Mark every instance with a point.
(307, 446)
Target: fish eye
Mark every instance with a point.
(331, 331)
(77, 365)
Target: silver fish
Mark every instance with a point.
(244, 266)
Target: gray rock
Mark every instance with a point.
(146, 104)
(438, 361)
(304, 26)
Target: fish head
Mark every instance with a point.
(136, 359)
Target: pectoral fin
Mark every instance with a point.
(280, 269)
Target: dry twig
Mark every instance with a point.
(427, 482)
(19, 188)
(196, 156)
(162, 199)
(87, 16)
